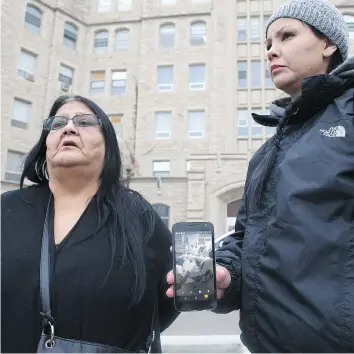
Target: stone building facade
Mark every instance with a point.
(178, 78)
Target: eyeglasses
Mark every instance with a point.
(81, 120)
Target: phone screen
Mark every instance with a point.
(194, 266)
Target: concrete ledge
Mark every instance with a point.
(202, 344)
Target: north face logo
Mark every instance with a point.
(334, 132)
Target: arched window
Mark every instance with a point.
(70, 35)
(101, 41)
(350, 23)
(122, 39)
(198, 33)
(164, 211)
(33, 18)
(167, 35)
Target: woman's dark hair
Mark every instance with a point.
(264, 168)
(125, 207)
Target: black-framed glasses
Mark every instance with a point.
(81, 120)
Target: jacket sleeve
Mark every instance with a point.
(163, 242)
(229, 256)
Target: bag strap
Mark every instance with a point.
(45, 269)
(45, 282)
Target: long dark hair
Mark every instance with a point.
(125, 207)
(267, 163)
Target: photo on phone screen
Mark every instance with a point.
(194, 268)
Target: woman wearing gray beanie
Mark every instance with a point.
(289, 266)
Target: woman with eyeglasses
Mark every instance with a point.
(84, 258)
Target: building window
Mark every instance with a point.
(196, 124)
(163, 211)
(256, 73)
(165, 78)
(65, 77)
(116, 120)
(97, 82)
(122, 39)
(242, 122)
(119, 80)
(167, 35)
(242, 73)
(20, 113)
(265, 23)
(255, 29)
(14, 162)
(70, 35)
(27, 65)
(198, 33)
(105, 5)
(196, 77)
(242, 29)
(350, 23)
(124, 5)
(101, 41)
(163, 125)
(168, 2)
(267, 79)
(33, 18)
(161, 168)
(256, 128)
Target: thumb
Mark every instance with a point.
(223, 277)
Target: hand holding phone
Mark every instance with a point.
(194, 266)
(223, 280)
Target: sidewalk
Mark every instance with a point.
(203, 344)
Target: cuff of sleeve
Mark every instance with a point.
(231, 299)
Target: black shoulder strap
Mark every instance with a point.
(45, 269)
(45, 282)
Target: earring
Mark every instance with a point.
(45, 170)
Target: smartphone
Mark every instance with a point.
(194, 266)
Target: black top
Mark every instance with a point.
(82, 308)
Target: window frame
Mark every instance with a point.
(104, 49)
(196, 133)
(125, 41)
(117, 88)
(164, 218)
(196, 85)
(163, 134)
(70, 37)
(10, 173)
(97, 90)
(164, 87)
(26, 72)
(195, 39)
(161, 173)
(18, 123)
(30, 26)
(163, 36)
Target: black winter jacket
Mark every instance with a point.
(292, 255)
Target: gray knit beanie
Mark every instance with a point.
(320, 14)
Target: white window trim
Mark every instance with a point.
(165, 87)
(196, 86)
(162, 134)
(191, 132)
